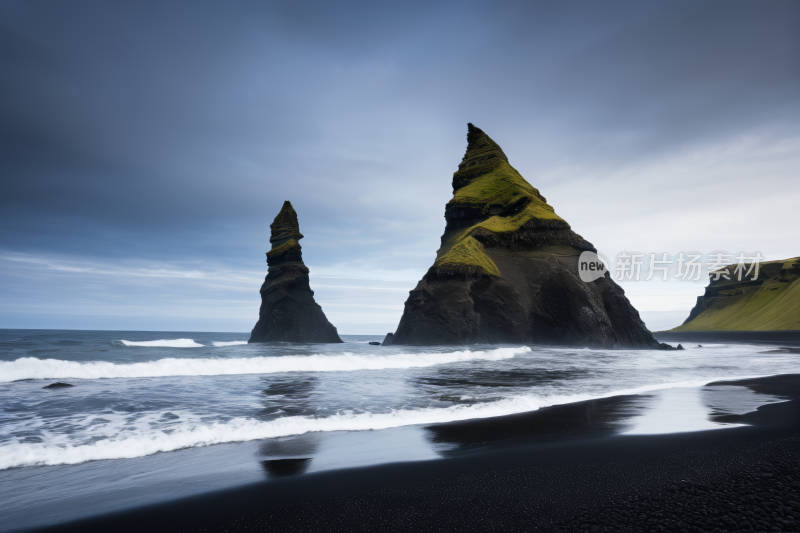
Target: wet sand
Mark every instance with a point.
(563, 468)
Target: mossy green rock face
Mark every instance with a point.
(507, 269)
(770, 302)
(288, 311)
(493, 206)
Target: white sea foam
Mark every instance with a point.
(191, 431)
(226, 343)
(165, 343)
(33, 368)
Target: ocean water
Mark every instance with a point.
(141, 393)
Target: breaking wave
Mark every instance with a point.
(165, 343)
(33, 368)
(231, 343)
(146, 439)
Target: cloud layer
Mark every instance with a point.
(143, 134)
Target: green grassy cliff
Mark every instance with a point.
(769, 303)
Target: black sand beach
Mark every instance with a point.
(564, 468)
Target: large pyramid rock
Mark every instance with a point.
(507, 270)
(288, 311)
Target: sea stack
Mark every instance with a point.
(507, 270)
(288, 311)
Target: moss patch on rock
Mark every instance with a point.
(493, 198)
(468, 252)
(288, 251)
(499, 186)
(533, 211)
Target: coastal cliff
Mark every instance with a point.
(770, 302)
(507, 270)
(288, 311)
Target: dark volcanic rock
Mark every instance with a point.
(388, 340)
(57, 385)
(288, 311)
(507, 270)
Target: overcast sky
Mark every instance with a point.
(145, 147)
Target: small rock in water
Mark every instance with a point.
(388, 340)
(699, 345)
(665, 346)
(57, 385)
(374, 343)
(679, 347)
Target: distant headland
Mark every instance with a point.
(764, 300)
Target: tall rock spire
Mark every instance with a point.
(507, 269)
(288, 311)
